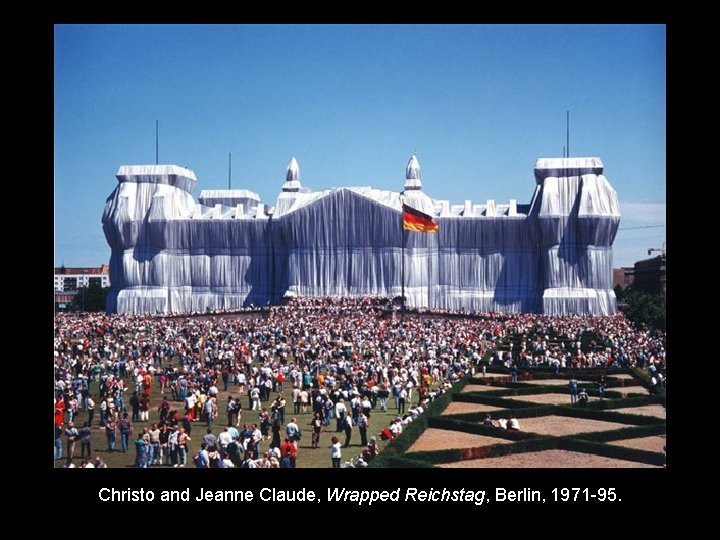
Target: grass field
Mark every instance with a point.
(307, 456)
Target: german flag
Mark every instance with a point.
(415, 220)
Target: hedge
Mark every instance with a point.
(603, 410)
(491, 400)
(413, 430)
(478, 429)
(541, 373)
(609, 410)
(607, 416)
(612, 451)
(645, 378)
(483, 452)
(519, 389)
(636, 401)
(528, 412)
(539, 444)
(406, 463)
(434, 457)
(586, 338)
(634, 432)
(569, 443)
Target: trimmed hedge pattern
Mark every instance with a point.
(478, 429)
(635, 432)
(612, 451)
(411, 432)
(609, 410)
(496, 450)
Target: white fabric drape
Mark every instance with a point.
(171, 254)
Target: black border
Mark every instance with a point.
(644, 493)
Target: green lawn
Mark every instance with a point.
(307, 456)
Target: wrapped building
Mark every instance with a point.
(173, 254)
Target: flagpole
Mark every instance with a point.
(402, 278)
(402, 259)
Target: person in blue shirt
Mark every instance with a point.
(203, 459)
(573, 391)
(141, 448)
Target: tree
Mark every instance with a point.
(90, 298)
(619, 293)
(645, 308)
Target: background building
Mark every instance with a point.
(650, 275)
(623, 276)
(71, 279)
(64, 299)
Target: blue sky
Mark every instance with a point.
(478, 103)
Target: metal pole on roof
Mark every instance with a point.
(156, 142)
(567, 135)
(229, 170)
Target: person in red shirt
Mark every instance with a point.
(59, 411)
(144, 409)
(289, 447)
(147, 384)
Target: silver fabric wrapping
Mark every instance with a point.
(171, 254)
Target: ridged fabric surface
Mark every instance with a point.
(171, 254)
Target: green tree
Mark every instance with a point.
(619, 293)
(645, 308)
(90, 298)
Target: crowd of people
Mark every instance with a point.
(331, 359)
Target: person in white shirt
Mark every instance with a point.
(401, 401)
(513, 424)
(257, 437)
(227, 462)
(292, 429)
(304, 400)
(249, 462)
(340, 414)
(190, 402)
(408, 388)
(296, 399)
(335, 453)
(173, 444)
(366, 406)
(255, 397)
(363, 424)
(224, 439)
(347, 425)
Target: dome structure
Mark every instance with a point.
(412, 174)
(292, 177)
